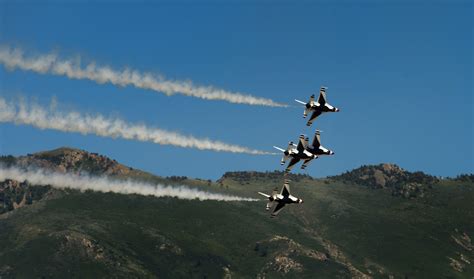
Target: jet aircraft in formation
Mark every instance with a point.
(278, 201)
(318, 108)
(301, 151)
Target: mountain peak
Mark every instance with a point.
(389, 167)
(60, 151)
(401, 181)
(67, 159)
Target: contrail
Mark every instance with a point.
(71, 121)
(105, 184)
(50, 63)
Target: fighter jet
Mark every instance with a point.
(303, 151)
(319, 107)
(280, 199)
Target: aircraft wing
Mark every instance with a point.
(278, 148)
(292, 163)
(263, 194)
(301, 102)
(285, 191)
(302, 144)
(322, 96)
(315, 114)
(316, 140)
(277, 209)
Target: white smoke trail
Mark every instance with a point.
(71, 121)
(105, 184)
(50, 63)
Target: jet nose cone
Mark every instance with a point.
(331, 153)
(337, 109)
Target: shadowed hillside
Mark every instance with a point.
(361, 224)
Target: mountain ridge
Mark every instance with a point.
(343, 230)
(65, 158)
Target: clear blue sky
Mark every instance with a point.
(400, 72)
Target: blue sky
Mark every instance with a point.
(400, 72)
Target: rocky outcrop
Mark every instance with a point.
(460, 261)
(463, 240)
(402, 183)
(73, 160)
(86, 248)
(456, 265)
(283, 253)
(82, 244)
(15, 194)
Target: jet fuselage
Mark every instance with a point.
(310, 153)
(281, 198)
(304, 155)
(319, 151)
